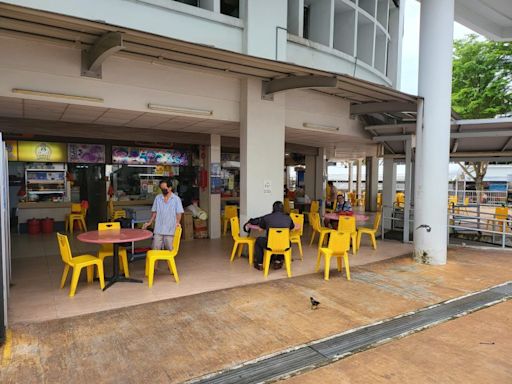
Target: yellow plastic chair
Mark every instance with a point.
(369, 231)
(296, 234)
(313, 208)
(400, 199)
(77, 263)
(286, 205)
(119, 214)
(153, 256)
(107, 250)
(339, 244)
(80, 217)
(500, 215)
(347, 224)
(317, 228)
(379, 200)
(240, 241)
(278, 243)
(352, 198)
(76, 208)
(229, 212)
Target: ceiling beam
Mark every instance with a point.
(298, 82)
(477, 134)
(384, 107)
(95, 55)
(381, 139)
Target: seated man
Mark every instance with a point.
(276, 219)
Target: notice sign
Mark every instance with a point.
(267, 187)
(42, 151)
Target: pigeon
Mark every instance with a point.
(427, 227)
(314, 303)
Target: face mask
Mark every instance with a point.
(165, 191)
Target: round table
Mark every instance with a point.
(335, 216)
(115, 237)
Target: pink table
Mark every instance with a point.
(335, 216)
(116, 236)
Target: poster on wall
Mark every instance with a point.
(42, 151)
(12, 150)
(86, 153)
(148, 156)
(215, 178)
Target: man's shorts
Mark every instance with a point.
(159, 241)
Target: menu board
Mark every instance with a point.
(42, 151)
(86, 153)
(148, 156)
(12, 150)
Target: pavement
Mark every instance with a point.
(174, 340)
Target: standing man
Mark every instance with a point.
(167, 210)
(330, 195)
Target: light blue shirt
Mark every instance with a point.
(165, 222)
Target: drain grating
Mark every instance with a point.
(329, 350)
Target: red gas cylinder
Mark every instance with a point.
(47, 225)
(33, 226)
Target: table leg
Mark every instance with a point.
(115, 271)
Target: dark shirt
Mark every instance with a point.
(276, 220)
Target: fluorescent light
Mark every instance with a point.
(57, 95)
(184, 111)
(320, 127)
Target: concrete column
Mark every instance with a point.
(372, 183)
(214, 228)
(261, 176)
(396, 31)
(436, 45)
(388, 189)
(265, 28)
(309, 177)
(407, 190)
(359, 176)
(321, 177)
(350, 176)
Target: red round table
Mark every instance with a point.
(335, 216)
(115, 237)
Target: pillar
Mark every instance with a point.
(214, 228)
(388, 189)
(309, 177)
(265, 33)
(432, 140)
(359, 176)
(321, 177)
(350, 176)
(262, 125)
(372, 183)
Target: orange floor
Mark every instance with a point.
(203, 265)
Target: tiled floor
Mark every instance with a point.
(203, 266)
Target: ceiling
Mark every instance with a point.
(491, 18)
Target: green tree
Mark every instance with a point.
(482, 78)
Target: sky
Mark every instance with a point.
(409, 79)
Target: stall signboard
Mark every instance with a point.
(86, 153)
(215, 178)
(148, 156)
(42, 151)
(12, 150)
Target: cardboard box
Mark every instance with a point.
(200, 229)
(187, 223)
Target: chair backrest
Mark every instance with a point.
(84, 206)
(65, 249)
(376, 221)
(400, 198)
(286, 205)
(347, 224)
(118, 214)
(501, 213)
(230, 211)
(339, 242)
(235, 227)
(177, 239)
(278, 239)
(466, 201)
(107, 226)
(315, 220)
(452, 200)
(314, 206)
(298, 220)
(110, 208)
(76, 208)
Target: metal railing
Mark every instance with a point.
(493, 198)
